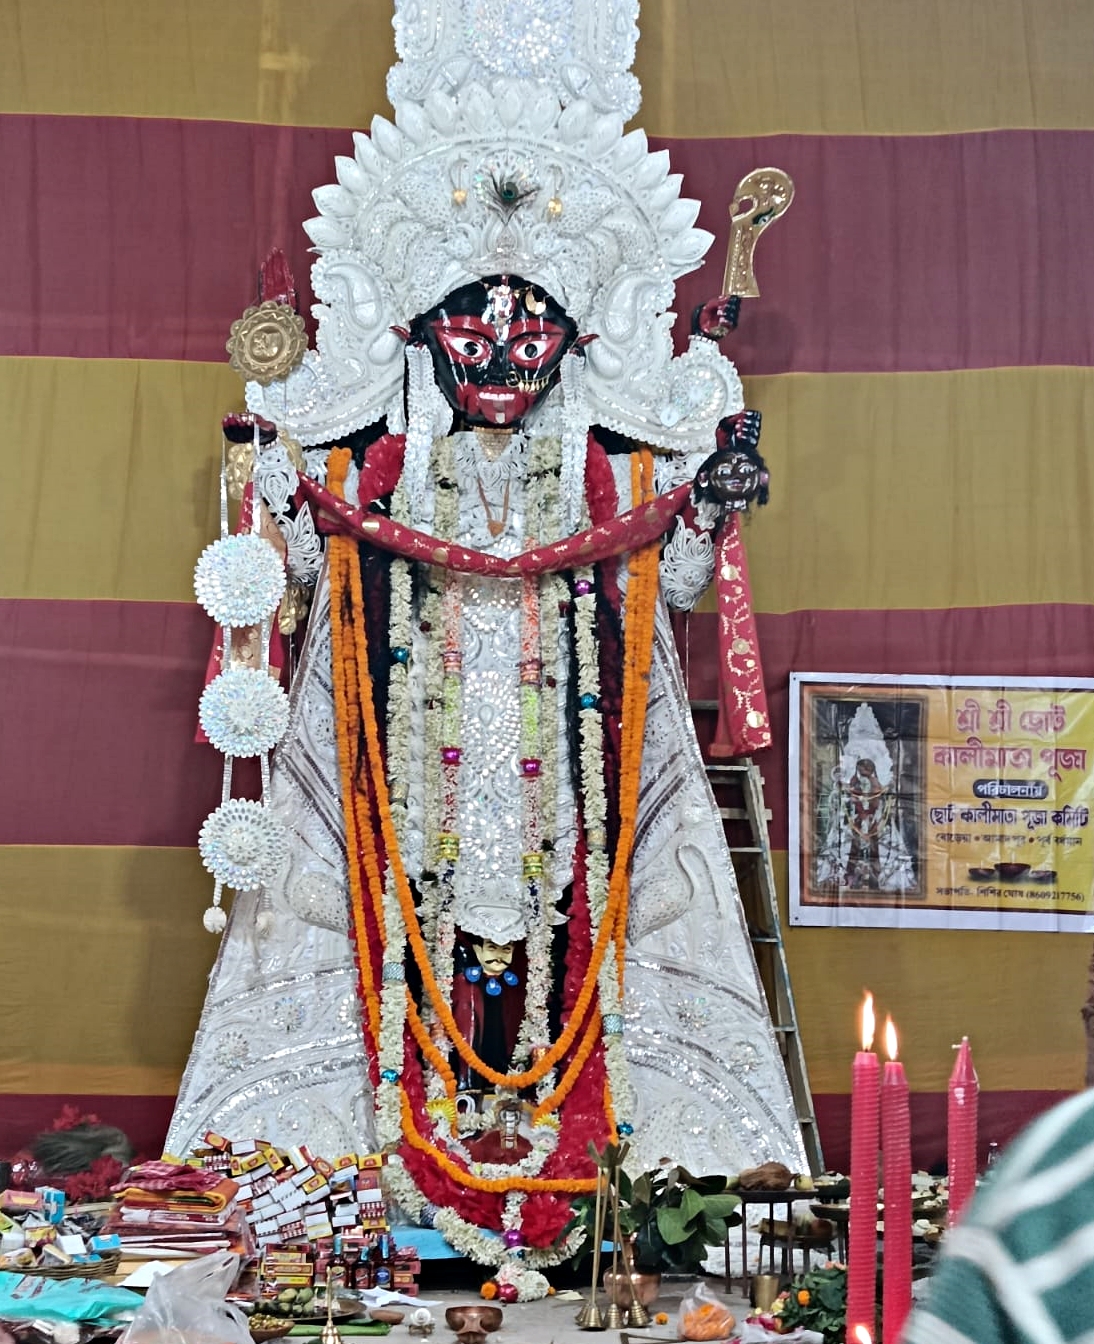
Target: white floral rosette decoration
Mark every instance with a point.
(243, 712)
(239, 580)
(243, 845)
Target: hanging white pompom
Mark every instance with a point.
(264, 922)
(239, 580)
(214, 919)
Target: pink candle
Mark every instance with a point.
(896, 1156)
(862, 1223)
(964, 1102)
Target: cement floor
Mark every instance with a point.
(553, 1320)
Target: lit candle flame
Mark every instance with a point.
(890, 1038)
(862, 1335)
(867, 1021)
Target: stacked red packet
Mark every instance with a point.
(166, 1209)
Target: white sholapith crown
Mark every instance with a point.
(517, 177)
(577, 50)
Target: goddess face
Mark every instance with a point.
(494, 958)
(497, 345)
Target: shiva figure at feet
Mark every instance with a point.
(506, 923)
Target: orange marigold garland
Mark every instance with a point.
(368, 809)
(342, 562)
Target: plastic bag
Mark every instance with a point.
(187, 1306)
(752, 1332)
(30, 1297)
(704, 1316)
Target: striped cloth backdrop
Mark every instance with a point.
(921, 354)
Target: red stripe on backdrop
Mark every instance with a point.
(141, 238)
(100, 703)
(145, 1120)
(101, 700)
(907, 253)
(1051, 640)
(1002, 1115)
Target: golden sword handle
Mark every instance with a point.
(762, 196)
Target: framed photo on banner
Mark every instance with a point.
(941, 802)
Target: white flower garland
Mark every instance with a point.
(575, 437)
(435, 883)
(591, 747)
(530, 1284)
(484, 1248)
(596, 811)
(398, 695)
(429, 889)
(619, 1077)
(393, 1010)
(543, 513)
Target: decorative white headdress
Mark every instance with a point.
(866, 742)
(507, 155)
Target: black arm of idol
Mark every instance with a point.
(735, 475)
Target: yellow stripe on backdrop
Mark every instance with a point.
(889, 490)
(864, 67)
(115, 468)
(1015, 995)
(121, 929)
(735, 67)
(105, 967)
(285, 62)
(923, 489)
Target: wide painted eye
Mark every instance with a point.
(464, 347)
(532, 349)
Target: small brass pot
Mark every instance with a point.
(765, 1289)
(627, 1288)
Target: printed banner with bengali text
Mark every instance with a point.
(924, 802)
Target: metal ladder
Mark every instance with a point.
(739, 793)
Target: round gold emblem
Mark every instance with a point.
(267, 342)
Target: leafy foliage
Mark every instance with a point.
(824, 1307)
(672, 1215)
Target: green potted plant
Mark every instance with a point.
(670, 1215)
(816, 1300)
(676, 1216)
